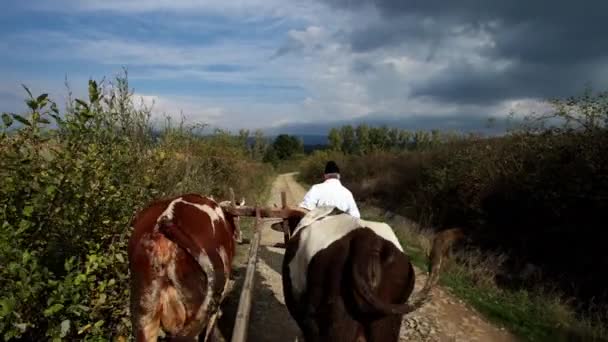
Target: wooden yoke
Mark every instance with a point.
(285, 212)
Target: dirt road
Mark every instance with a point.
(444, 319)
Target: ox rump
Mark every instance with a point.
(180, 262)
(348, 279)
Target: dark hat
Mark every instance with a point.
(331, 167)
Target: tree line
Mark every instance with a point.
(363, 139)
(264, 149)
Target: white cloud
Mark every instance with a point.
(112, 50)
(249, 10)
(192, 109)
(311, 55)
(216, 112)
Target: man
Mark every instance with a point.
(331, 193)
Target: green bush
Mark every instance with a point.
(70, 186)
(311, 168)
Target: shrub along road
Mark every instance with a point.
(446, 318)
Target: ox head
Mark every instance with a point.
(231, 212)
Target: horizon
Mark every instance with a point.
(302, 68)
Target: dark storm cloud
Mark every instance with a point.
(537, 31)
(467, 85)
(553, 46)
(390, 32)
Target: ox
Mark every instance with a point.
(180, 256)
(348, 279)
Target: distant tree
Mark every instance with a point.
(348, 139)
(435, 137)
(260, 145)
(404, 139)
(384, 138)
(335, 139)
(285, 146)
(243, 138)
(270, 156)
(416, 140)
(377, 138)
(362, 136)
(393, 139)
(421, 140)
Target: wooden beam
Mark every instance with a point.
(241, 324)
(237, 224)
(286, 232)
(265, 212)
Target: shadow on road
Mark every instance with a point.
(273, 259)
(270, 320)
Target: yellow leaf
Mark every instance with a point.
(85, 328)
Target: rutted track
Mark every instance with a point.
(444, 319)
(269, 321)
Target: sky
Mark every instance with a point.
(280, 64)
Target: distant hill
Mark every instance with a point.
(462, 123)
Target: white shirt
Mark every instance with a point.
(331, 193)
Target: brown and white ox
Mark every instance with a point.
(347, 279)
(180, 256)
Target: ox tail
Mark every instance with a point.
(365, 287)
(172, 231)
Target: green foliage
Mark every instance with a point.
(586, 112)
(311, 168)
(363, 139)
(68, 195)
(260, 146)
(286, 146)
(271, 157)
(335, 139)
(537, 194)
(348, 139)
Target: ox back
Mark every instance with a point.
(346, 279)
(180, 256)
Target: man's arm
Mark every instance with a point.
(352, 208)
(310, 199)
